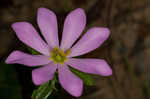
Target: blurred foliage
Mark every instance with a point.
(10, 87)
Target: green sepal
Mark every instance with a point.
(32, 51)
(87, 78)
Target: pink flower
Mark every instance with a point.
(60, 57)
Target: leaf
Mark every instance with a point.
(87, 78)
(9, 84)
(44, 90)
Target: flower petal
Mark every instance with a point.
(43, 74)
(47, 22)
(71, 83)
(73, 27)
(28, 35)
(26, 59)
(90, 41)
(93, 66)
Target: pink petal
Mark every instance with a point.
(43, 74)
(90, 41)
(73, 27)
(26, 59)
(71, 83)
(93, 66)
(28, 35)
(47, 22)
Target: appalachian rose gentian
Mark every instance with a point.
(60, 57)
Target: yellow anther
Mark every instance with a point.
(67, 52)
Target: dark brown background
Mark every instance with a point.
(127, 50)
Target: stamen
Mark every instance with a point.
(59, 56)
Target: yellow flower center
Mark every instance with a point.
(58, 56)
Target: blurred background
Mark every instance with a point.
(127, 50)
